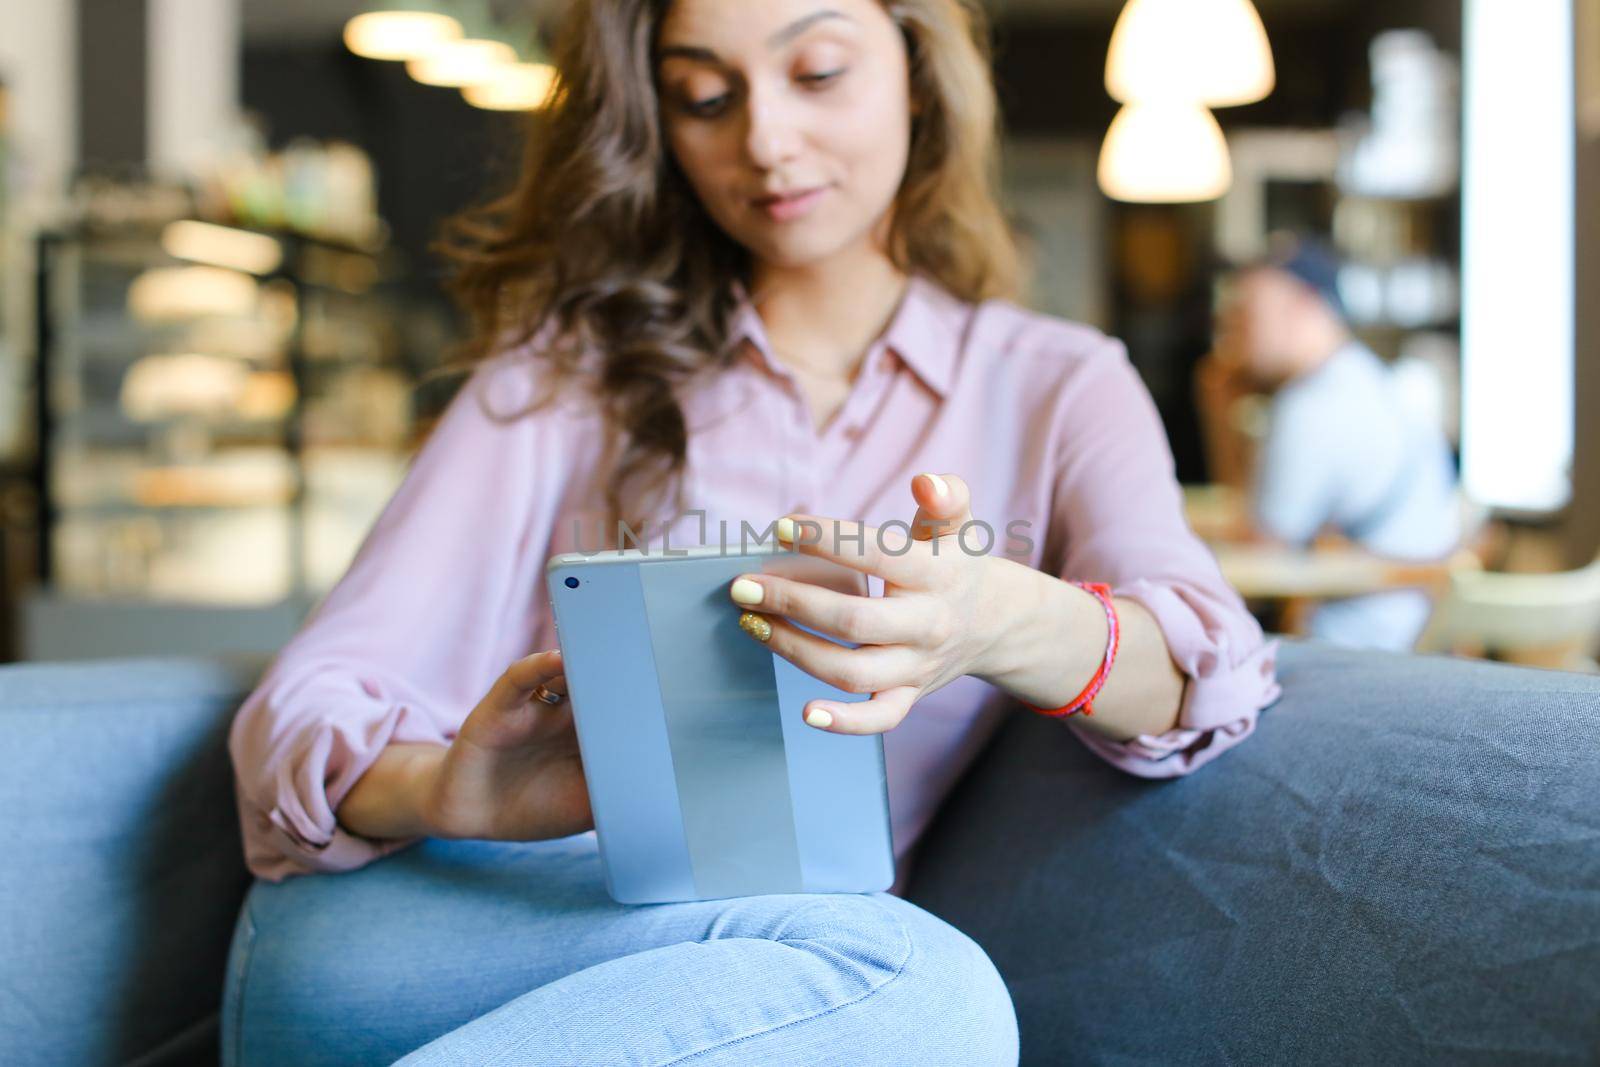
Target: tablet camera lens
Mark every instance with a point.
(572, 583)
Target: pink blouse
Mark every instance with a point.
(1045, 419)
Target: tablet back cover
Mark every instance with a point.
(704, 780)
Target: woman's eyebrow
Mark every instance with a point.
(777, 40)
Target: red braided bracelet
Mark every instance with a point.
(1084, 701)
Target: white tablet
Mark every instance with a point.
(704, 780)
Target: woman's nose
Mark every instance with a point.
(772, 137)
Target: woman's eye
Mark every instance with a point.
(705, 108)
(711, 106)
(821, 78)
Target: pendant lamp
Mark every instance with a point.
(515, 87)
(484, 47)
(400, 29)
(1214, 52)
(1164, 151)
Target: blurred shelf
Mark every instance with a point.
(108, 420)
(247, 457)
(113, 509)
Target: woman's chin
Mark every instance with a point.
(797, 251)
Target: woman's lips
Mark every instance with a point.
(789, 208)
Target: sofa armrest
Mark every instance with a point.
(1403, 865)
(122, 871)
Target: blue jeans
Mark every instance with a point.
(480, 953)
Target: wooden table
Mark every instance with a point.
(1216, 513)
(1297, 579)
(1219, 515)
(1272, 572)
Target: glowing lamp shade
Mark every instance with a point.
(399, 34)
(222, 246)
(175, 294)
(1164, 152)
(517, 87)
(460, 63)
(1211, 51)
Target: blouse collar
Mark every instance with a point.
(925, 331)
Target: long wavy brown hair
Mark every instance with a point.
(602, 247)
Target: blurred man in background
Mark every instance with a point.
(1341, 449)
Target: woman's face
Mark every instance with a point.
(790, 119)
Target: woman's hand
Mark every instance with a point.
(940, 616)
(513, 772)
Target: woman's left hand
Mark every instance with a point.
(939, 617)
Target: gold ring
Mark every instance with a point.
(756, 626)
(547, 695)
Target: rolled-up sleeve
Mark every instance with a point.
(1118, 500)
(436, 602)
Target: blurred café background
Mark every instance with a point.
(219, 314)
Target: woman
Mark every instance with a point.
(753, 268)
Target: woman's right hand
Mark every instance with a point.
(513, 772)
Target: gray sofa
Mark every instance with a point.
(1403, 866)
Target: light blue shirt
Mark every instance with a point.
(1343, 449)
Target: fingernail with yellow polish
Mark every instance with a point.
(756, 626)
(819, 717)
(746, 591)
(786, 530)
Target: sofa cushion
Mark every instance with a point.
(122, 871)
(1403, 865)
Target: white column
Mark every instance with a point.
(39, 62)
(193, 80)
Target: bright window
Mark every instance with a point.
(1518, 231)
